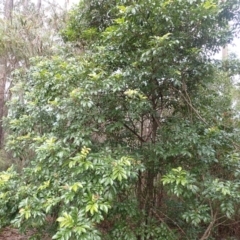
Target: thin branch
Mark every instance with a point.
(188, 101)
(209, 228)
(170, 220)
(134, 132)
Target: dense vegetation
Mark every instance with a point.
(128, 132)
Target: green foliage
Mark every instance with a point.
(9, 204)
(135, 138)
(88, 19)
(29, 33)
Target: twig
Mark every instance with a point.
(134, 132)
(207, 232)
(188, 101)
(170, 220)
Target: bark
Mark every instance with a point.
(25, 4)
(207, 232)
(66, 4)
(2, 99)
(39, 4)
(225, 53)
(8, 8)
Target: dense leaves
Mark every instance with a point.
(136, 137)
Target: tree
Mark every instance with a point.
(8, 8)
(25, 32)
(135, 138)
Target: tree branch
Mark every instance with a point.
(188, 101)
(134, 132)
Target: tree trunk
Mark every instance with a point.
(2, 99)
(39, 4)
(225, 53)
(66, 4)
(8, 9)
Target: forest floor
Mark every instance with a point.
(13, 234)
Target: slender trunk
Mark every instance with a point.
(225, 48)
(39, 4)
(66, 4)
(8, 9)
(225, 53)
(207, 232)
(25, 6)
(25, 3)
(2, 99)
